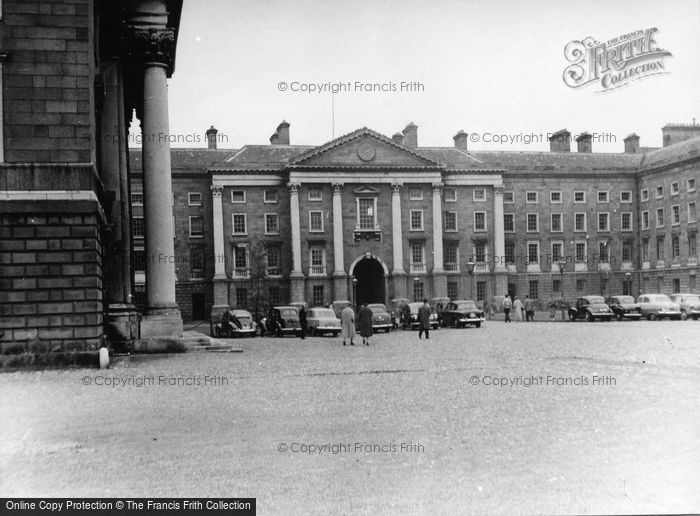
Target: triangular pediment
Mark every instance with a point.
(363, 148)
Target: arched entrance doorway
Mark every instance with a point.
(370, 286)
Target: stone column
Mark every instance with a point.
(154, 45)
(297, 276)
(340, 289)
(220, 279)
(501, 274)
(439, 277)
(398, 273)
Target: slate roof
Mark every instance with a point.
(680, 151)
(272, 157)
(546, 160)
(194, 160)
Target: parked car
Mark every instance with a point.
(689, 303)
(461, 313)
(590, 308)
(337, 306)
(414, 316)
(280, 321)
(236, 323)
(381, 320)
(658, 306)
(439, 304)
(395, 310)
(624, 307)
(322, 320)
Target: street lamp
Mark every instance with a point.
(415, 287)
(354, 291)
(628, 284)
(561, 261)
(470, 271)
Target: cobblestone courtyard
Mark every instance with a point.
(628, 444)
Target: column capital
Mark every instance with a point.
(396, 188)
(498, 191)
(153, 45)
(294, 188)
(337, 188)
(216, 190)
(437, 188)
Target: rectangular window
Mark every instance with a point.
(366, 215)
(480, 251)
(240, 257)
(317, 295)
(659, 217)
(676, 284)
(449, 195)
(508, 222)
(315, 193)
(271, 196)
(579, 196)
(416, 220)
(137, 227)
(479, 195)
(581, 285)
(580, 252)
(660, 248)
(415, 194)
(579, 222)
(273, 257)
(626, 196)
(691, 184)
(196, 262)
(555, 197)
(450, 221)
(238, 196)
(274, 295)
(603, 222)
(241, 297)
(603, 252)
(675, 246)
(626, 221)
(692, 245)
(317, 258)
(137, 199)
(533, 252)
(316, 221)
(451, 261)
(531, 197)
(139, 260)
(480, 290)
(533, 222)
(692, 214)
(240, 226)
(194, 198)
(659, 192)
(417, 262)
(675, 188)
(534, 289)
(603, 196)
(676, 214)
(508, 197)
(556, 285)
(196, 226)
(626, 251)
(452, 290)
(417, 291)
(645, 194)
(272, 226)
(645, 250)
(556, 222)
(557, 251)
(479, 221)
(510, 252)
(645, 220)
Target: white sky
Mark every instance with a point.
(487, 66)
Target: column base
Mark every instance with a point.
(161, 323)
(122, 323)
(501, 284)
(220, 292)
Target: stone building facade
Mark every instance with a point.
(366, 217)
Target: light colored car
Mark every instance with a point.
(658, 306)
(236, 323)
(689, 303)
(381, 320)
(322, 320)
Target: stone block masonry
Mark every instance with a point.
(51, 293)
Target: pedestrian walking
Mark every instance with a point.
(405, 316)
(364, 324)
(303, 322)
(529, 309)
(424, 320)
(518, 309)
(347, 321)
(507, 305)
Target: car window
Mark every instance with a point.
(692, 299)
(289, 312)
(595, 299)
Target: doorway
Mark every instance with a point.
(369, 288)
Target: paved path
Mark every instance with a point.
(627, 445)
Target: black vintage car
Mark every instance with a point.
(624, 307)
(280, 321)
(461, 313)
(590, 308)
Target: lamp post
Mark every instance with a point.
(470, 271)
(628, 284)
(354, 291)
(562, 263)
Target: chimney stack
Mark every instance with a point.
(560, 141)
(274, 138)
(410, 136)
(584, 143)
(631, 144)
(283, 133)
(211, 137)
(398, 138)
(461, 139)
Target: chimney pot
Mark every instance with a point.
(410, 136)
(461, 139)
(211, 137)
(398, 138)
(631, 144)
(560, 141)
(273, 139)
(584, 143)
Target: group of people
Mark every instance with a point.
(520, 310)
(364, 324)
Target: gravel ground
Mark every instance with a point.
(628, 445)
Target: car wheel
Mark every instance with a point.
(478, 325)
(684, 316)
(572, 317)
(619, 316)
(279, 332)
(652, 317)
(589, 317)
